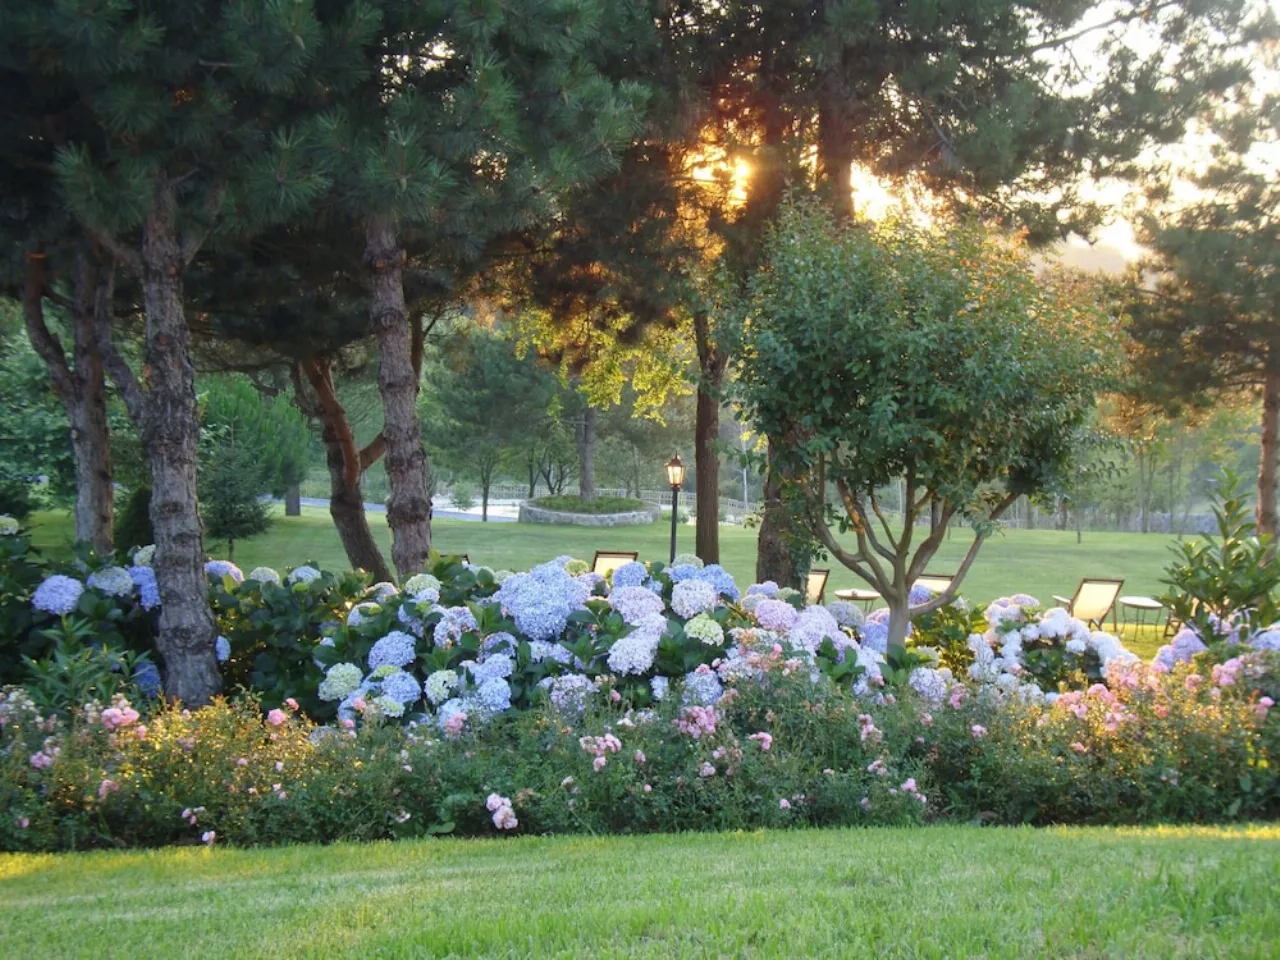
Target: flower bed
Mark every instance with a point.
(658, 698)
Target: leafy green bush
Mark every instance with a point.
(779, 751)
(1231, 579)
(566, 503)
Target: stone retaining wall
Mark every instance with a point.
(529, 513)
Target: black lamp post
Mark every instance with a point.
(675, 477)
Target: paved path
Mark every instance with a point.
(436, 513)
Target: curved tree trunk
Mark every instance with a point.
(170, 432)
(346, 463)
(408, 506)
(81, 387)
(1266, 509)
(587, 454)
(706, 431)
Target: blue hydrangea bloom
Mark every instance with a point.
(402, 687)
(222, 649)
(113, 581)
(500, 642)
(395, 649)
(721, 579)
(454, 622)
(682, 571)
(702, 689)
(919, 594)
(147, 677)
(632, 574)
(144, 578)
(495, 665)
(541, 601)
(57, 595)
(224, 568)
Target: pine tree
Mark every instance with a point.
(472, 128)
(190, 107)
(1211, 322)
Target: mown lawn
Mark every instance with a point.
(924, 892)
(1039, 562)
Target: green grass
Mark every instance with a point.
(923, 892)
(1039, 562)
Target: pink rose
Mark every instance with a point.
(784, 804)
(978, 731)
(276, 717)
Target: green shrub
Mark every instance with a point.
(133, 521)
(566, 503)
(779, 751)
(463, 495)
(1228, 579)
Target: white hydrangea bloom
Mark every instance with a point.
(263, 575)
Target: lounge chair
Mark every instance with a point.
(937, 583)
(607, 560)
(1094, 599)
(816, 585)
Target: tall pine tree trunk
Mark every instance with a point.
(706, 431)
(408, 507)
(346, 463)
(170, 432)
(81, 387)
(587, 454)
(774, 560)
(293, 500)
(1266, 509)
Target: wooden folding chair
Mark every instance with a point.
(608, 560)
(816, 585)
(1094, 599)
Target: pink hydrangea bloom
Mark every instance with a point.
(764, 739)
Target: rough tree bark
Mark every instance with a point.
(706, 431)
(81, 387)
(586, 431)
(774, 560)
(346, 463)
(170, 429)
(408, 506)
(1266, 509)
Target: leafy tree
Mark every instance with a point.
(1210, 324)
(483, 401)
(1006, 109)
(933, 354)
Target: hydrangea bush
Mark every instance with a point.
(775, 749)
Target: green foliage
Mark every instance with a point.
(270, 430)
(133, 521)
(947, 630)
(572, 504)
(231, 495)
(80, 669)
(935, 355)
(463, 495)
(1233, 577)
(21, 571)
(266, 624)
(1182, 753)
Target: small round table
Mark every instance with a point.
(864, 597)
(1141, 606)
